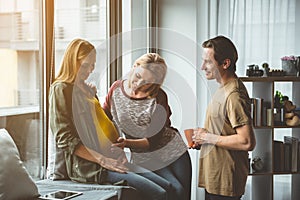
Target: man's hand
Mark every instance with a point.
(202, 136)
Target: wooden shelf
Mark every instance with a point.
(261, 173)
(263, 127)
(265, 87)
(271, 173)
(271, 79)
(284, 126)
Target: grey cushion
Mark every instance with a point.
(15, 182)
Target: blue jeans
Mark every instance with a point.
(149, 185)
(179, 174)
(169, 183)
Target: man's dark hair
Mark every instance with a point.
(223, 49)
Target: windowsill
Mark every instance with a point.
(19, 110)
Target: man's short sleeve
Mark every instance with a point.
(238, 109)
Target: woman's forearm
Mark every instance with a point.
(87, 154)
(93, 156)
(137, 143)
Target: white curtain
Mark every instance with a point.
(263, 30)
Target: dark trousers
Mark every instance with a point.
(179, 174)
(209, 196)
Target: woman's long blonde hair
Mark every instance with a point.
(157, 66)
(76, 52)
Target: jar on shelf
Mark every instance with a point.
(289, 65)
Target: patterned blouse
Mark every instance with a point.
(145, 118)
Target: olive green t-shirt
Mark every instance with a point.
(223, 171)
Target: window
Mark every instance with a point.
(92, 10)
(21, 66)
(83, 19)
(20, 74)
(135, 18)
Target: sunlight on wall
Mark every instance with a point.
(8, 78)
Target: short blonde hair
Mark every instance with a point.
(157, 66)
(76, 52)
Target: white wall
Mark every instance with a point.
(178, 44)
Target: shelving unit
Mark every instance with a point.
(267, 184)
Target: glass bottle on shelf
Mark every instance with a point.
(278, 109)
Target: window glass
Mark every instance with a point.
(134, 31)
(92, 11)
(20, 79)
(84, 19)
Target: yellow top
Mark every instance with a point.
(92, 123)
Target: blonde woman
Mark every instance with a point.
(139, 107)
(83, 131)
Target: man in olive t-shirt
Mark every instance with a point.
(227, 135)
